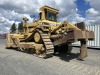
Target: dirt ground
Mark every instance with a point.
(14, 62)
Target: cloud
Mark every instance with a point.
(94, 4)
(25, 6)
(2, 19)
(14, 10)
(93, 13)
(5, 26)
(32, 6)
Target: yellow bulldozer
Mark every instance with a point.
(46, 36)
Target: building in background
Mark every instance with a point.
(96, 42)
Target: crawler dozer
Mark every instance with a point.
(46, 36)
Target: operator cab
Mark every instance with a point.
(48, 13)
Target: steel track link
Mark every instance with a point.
(49, 48)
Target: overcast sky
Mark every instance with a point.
(74, 11)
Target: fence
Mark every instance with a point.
(96, 30)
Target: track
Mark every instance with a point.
(48, 45)
(49, 48)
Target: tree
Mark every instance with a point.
(20, 27)
(13, 28)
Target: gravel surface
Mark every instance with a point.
(14, 62)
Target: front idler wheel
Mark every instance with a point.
(37, 37)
